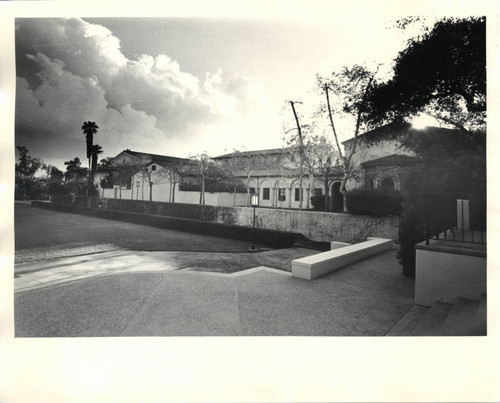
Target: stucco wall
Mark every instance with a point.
(318, 226)
(162, 191)
(371, 151)
(315, 225)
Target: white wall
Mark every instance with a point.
(289, 184)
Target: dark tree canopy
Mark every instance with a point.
(27, 165)
(442, 72)
(89, 128)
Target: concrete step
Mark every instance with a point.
(406, 325)
(464, 319)
(430, 324)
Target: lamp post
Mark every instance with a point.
(254, 202)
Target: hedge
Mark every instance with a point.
(375, 203)
(264, 236)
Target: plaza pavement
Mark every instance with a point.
(168, 293)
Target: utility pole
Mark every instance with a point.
(301, 152)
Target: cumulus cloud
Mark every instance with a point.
(70, 70)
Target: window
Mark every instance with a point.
(265, 194)
(297, 193)
(251, 190)
(318, 192)
(153, 168)
(281, 194)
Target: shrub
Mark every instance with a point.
(411, 232)
(318, 202)
(375, 203)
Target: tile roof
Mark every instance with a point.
(251, 153)
(394, 159)
(157, 157)
(391, 130)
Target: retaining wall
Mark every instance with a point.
(314, 225)
(261, 235)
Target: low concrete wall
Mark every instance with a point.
(263, 236)
(314, 225)
(446, 271)
(314, 266)
(320, 226)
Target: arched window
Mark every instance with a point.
(387, 184)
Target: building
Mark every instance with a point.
(135, 175)
(380, 161)
(274, 175)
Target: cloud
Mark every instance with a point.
(70, 71)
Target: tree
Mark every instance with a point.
(74, 177)
(25, 171)
(89, 128)
(441, 73)
(242, 163)
(350, 88)
(301, 151)
(149, 172)
(173, 172)
(74, 170)
(121, 175)
(95, 150)
(317, 158)
(53, 180)
(322, 161)
(204, 167)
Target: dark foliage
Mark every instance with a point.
(453, 167)
(442, 66)
(27, 185)
(375, 203)
(96, 207)
(318, 202)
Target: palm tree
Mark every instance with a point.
(95, 150)
(89, 128)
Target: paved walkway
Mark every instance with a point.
(124, 293)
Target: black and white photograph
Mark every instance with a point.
(192, 185)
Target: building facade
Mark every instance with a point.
(379, 162)
(274, 175)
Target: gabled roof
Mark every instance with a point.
(156, 158)
(392, 130)
(394, 159)
(253, 153)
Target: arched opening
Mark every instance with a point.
(387, 184)
(337, 199)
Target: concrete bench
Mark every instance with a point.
(313, 266)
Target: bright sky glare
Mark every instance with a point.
(179, 86)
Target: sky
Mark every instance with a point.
(180, 86)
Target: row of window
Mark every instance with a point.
(266, 193)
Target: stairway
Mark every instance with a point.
(465, 317)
